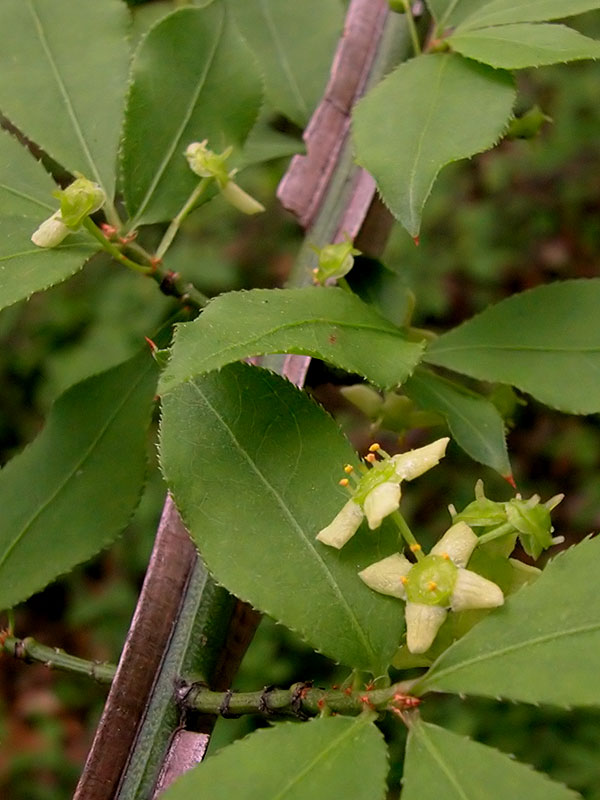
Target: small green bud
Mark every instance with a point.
(335, 261)
(80, 199)
(532, 520)
(528, 125)
(208, 164)
(399, 6)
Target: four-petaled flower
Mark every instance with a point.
(378, 492)
(435, 584)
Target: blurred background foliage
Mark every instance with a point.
(525, 214)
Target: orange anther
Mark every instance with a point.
(370, 458)
(432, 586)
(414, 548)
(344, 482)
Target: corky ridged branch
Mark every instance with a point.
(301, 700)
(29, 650)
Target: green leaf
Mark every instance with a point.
(428, 112)
(73, 490)
(450, 12)
(63, 77)
(442, 764)
(504, 12)
(473, 421)
(542, 646)
(253, 464)
(265, 142)
(524, 45)
(281, 33)
(322, 759)
(194, 78)
(326, 323)
(25, 202)
(545, 341)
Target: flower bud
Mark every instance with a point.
(533, 523)
(80, 199)
(51, 232)
(206, 163)
(335, 261)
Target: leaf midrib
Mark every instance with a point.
(63, 92)
(24, 196)
(185, 120)
(511, 348)
(459, 413)
(501, 652)
(412, 175)
(288, 71)
(77, 466)
(246, 343)
(323, 756)
(420, 731)
(294, 524)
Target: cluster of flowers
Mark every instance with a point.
(435, 583)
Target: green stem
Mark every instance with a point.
(176, 222)
(407, 535)
(169, 281)
(112, 249)
(412, 28)
(300, 700)
(55, 658)
(501, 530)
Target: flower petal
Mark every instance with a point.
(380, 502)
(343, 527)
(422, 624)
(473, 591)
(414, 463)
(51, 232)
(458, 542)
(385, 576)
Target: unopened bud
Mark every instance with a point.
(208, 164)
(80, 199)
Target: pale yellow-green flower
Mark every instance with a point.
(378, 492)
(434, 585)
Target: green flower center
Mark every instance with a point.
(380, 472)
(431, 581)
